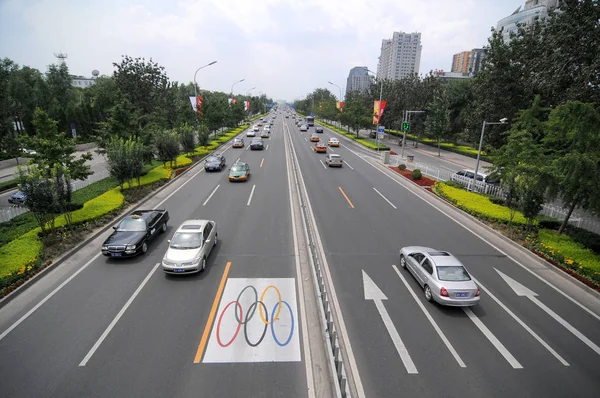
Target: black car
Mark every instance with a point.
(133, 233)
(215, 162)
(319, 129)
(257, 143)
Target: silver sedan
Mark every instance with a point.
(442, 276)
(190, 247)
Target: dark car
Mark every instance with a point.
(257, 143)
(215, 162)
(372, 134)
(17, 198)
(133, 233)
(319, 129)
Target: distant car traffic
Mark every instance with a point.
(240, 171)
(304, 127)
(319, 129)
(333, 159)
(255, 128)
(190, 247)
(238, 143)
(17, 198)
(334, 142)
(215, 162)
(442, 276)
(265, 134)
(251, 133)
(314, 138)
(257, 143)
(320, 147)
(132, 234)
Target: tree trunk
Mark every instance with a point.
(566, 220)
(439, 150)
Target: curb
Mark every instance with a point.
(20, 289)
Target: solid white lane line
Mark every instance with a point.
(119, 315)
(432, 321)
(520, 322)
(305, 139)
(211, 195)
(493, 339)
(346, 163)
(514, 260)
(248, 147)
(48, 297)
(251, 193)
(303, 322)
(325, 167)
(566, 324)
(384, 198)
(238, 159)
(267, 148)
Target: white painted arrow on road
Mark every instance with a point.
(373, 292)
(521, 291)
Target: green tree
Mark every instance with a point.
(125, 159)
(167, 146)
(188, 141)
(39, 193)
(438, 123)
(357, 114)
(55, 148)
(203, 135)
(573, 137)
(60, 86)
(63, 192)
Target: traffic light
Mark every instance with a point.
(406, 126)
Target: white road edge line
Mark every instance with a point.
(493, 339)
(431, 320)
(386, 199)
(119, 315)
(305, 341)
(346, 163)
(520, 322)
(514, 260)
(211, 195)
(352, 365)
(53, 292)
(325, 167)
(251, 193)
(48, 297)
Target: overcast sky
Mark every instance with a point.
(284, 48)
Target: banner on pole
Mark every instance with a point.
(378, 107)
(340, 106)
(199, 101)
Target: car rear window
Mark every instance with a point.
(455, 273)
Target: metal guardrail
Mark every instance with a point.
(549, 210)
(11, 212)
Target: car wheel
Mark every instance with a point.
(428, 295)
(144, 248)
(164, 227)
(203, 263)
(402, 261)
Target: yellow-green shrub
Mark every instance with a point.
(571, 251)
(18, 252)
(154, 175)
(182, 160)
(97, 207)
(477, 204)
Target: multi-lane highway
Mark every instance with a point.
(99, 327)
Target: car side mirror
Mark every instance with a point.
(207, 241)
(115, 227)
(168, 240)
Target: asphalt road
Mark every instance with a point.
(60, 350)
(364, 217)
(97, 164)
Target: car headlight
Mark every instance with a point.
(130, 247)
(105, 247)
(166, 262)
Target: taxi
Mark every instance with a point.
(334, 142)
(238, 143)
(320, 147)
(314, 138)
(240, 171)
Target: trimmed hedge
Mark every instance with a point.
(478, 205)
(19, 252)
(564, 249)
(6, 185)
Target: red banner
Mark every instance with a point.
(340, 106)
(378, 107)
(199, 101)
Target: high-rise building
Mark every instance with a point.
(468, 61)
(358, 79)
(400, 56)
(533, 9)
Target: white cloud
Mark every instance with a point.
(285, 48)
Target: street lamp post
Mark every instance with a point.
(333, 84)
(485, 123)
(202, 67)
(380, 99)
(239, 81)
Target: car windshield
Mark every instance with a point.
(453, 273)
(132, 225)
(237, 168)
(212, 159)
(186, 240)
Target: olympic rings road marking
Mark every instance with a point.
(264, 316)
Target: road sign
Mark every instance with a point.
(73, 131)
(406, 126)
(381, 129)
(380, 135)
